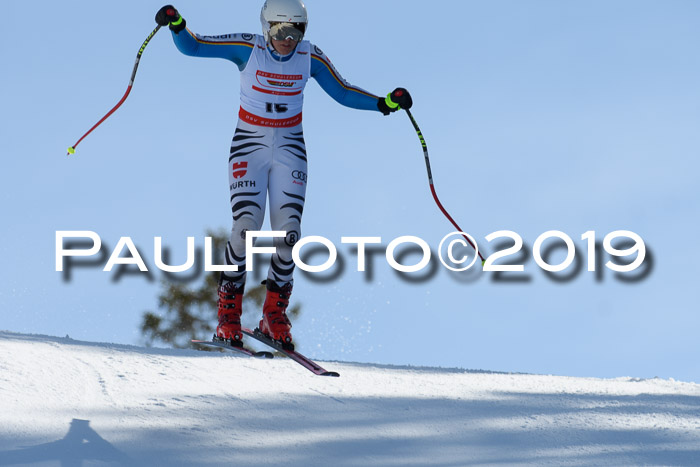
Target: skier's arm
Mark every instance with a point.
(234, 47)
(335, 86)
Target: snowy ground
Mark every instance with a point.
(64, 402)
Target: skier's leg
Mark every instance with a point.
(249, 165)
(287, 191)
(288, 178)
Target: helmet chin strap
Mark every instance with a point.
(276, 54)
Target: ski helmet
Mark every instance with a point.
(291, 12)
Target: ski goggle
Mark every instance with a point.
(284, 31)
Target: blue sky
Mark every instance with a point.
(539, 115)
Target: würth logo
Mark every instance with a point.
(240, 169)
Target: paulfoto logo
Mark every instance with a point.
(456, 252)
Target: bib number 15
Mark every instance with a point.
(275, 108)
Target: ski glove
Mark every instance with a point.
(398, 99)
(168, 15)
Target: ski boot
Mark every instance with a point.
(275, 323)
(230, 302)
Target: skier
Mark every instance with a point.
(268, 154)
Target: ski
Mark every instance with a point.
(223, 344)
(310, 365)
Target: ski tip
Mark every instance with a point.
(204, 343)
(331, 373)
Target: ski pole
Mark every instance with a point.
(71, 150)
(432, 186)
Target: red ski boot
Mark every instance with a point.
(275, 323)
(230, 301)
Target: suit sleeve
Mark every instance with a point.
(323, 71)
(234, 47)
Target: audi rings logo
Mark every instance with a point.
(299, 175)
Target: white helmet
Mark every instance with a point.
(283, 11)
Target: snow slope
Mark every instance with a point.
(64, 402)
